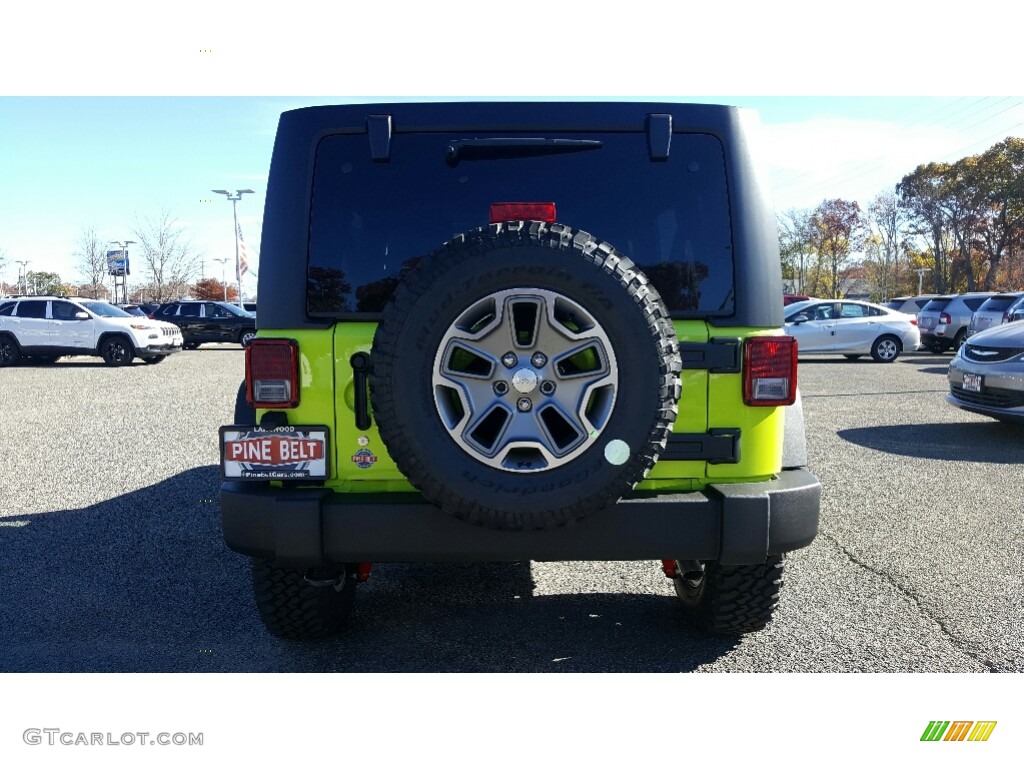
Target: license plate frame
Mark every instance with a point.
(973, 382)
(253, 453)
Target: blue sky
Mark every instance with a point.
(116, 114)
(111, 162)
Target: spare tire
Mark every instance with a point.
(524, 375)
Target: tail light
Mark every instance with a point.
(769, 370)
(522, 211)
(945, 319)
(913, 320)
(272, 373)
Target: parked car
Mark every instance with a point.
(133, 309)
(209, 321)
(944, 319)
(792, 298)
(46, 328)
(994, 311)
(852, 329)
(987, 374)
(249, 306)
(911, 305)
(1015, 311)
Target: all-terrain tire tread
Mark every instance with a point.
(294, 610)
(739, 598)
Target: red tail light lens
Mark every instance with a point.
(522, 211)
(913, 321)
(769, 370)
(945, 319)
(272, 373)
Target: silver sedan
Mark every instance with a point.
(851, 329)
(987, 374)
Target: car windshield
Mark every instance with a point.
(235, 310)
(103, 309)
(799, 307)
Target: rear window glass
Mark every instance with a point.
(997, 304)
(370, 220)
(32, 309)
(893, 304)
(974, 304)
(935, 305)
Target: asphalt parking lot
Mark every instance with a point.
(113, 560)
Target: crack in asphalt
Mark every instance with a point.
(946, 631)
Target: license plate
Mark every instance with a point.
(279, 453)
(972, 382)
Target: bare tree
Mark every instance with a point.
(794, 245)
(170, 259)
(888, 220)
(91, 255)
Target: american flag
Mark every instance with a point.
(243, 255)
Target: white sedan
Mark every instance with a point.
(851, 329)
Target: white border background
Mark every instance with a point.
(522, 49)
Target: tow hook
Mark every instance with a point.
(320, 577)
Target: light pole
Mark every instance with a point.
(234, 207)
(23, 278)
(223, 262)
(920, 278)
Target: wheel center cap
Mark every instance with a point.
(525, 381)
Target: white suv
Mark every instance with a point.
(46, 328)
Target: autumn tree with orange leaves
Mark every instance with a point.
(213, 290)
(837, 230)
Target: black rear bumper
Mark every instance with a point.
(741, 523)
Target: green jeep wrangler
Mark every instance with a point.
(517, 331)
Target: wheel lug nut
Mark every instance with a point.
(524, 404)
(501, 387)
(547, 387)
(539, 360)
(509, 360)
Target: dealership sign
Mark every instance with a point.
(117, 263)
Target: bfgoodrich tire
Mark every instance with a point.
(525, 375)
(731, 599)
(293, 609)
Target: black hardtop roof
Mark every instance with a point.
(520, 115)
(286, 214)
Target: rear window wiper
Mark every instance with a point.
(477, 149)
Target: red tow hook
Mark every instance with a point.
(670, 569)
(363, 572)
